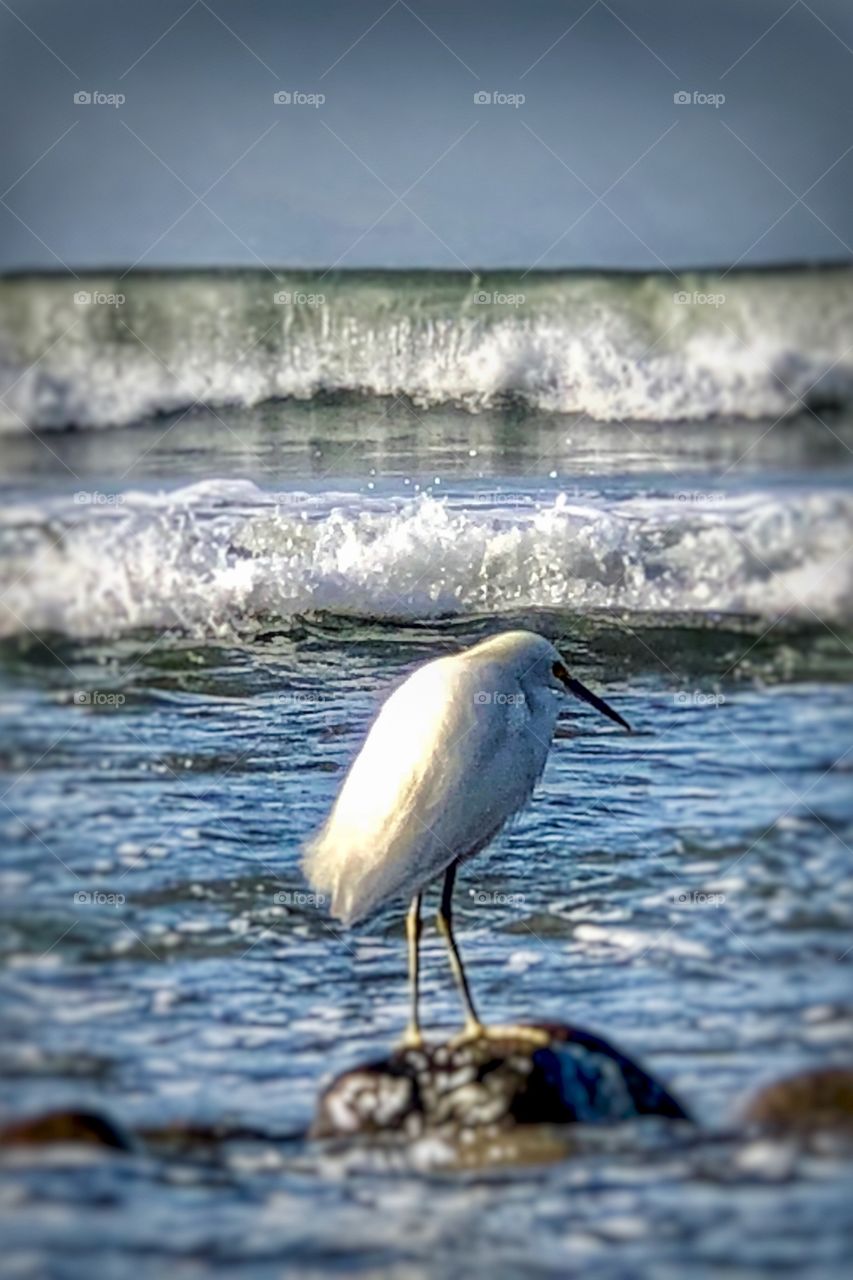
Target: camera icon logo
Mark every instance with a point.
(481, 697)
(281, 299)
(281, 98)
(482, 297)
(482, 98)
(82, 297)
(681, 98)
(82, 98)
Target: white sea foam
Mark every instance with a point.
(647, 348)
(214, 558)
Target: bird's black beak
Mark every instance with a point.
(586, 695)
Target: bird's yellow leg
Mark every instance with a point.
(412, 1038)
(473, 1026)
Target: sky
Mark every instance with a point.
(617, 134)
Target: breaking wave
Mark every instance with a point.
(108, 350)
(214, 558)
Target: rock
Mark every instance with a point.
(500, 1081)
(812, 1102)
(65, 1126)
(504, 1098)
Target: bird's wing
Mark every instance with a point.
(433, 782)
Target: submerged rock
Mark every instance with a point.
(817, 1101)
(559, 1075)
(85, 1127)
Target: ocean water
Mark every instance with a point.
(229, 526)
(116, 348)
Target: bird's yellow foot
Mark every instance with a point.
(473, 1030)
(411, 1039)
(518, 1031)
(477, 1031)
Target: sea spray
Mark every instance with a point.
(213, 558)
(609, 346)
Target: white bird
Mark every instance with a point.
(455, 751)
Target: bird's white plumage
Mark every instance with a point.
(454, 752)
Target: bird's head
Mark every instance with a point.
(536, 663)
(561, 679)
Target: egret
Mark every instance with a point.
(455, 751)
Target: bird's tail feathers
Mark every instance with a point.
(345, 878)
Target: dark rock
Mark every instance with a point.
(812, 1102)
(502, 1080)
(65, 1126)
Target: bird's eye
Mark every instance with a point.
(560, 673)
